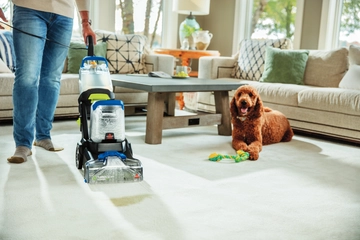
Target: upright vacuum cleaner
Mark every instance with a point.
(103, 152)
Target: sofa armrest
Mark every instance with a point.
(216, 67)
(160, 62)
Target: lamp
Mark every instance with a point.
(189, 25)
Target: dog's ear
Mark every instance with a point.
(259, 108)
(233, 108)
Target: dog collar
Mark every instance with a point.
(241, 118)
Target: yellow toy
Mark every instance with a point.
(241, 156)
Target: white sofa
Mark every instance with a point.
(125, 54)
(328, 102)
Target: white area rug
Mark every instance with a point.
(305, 189)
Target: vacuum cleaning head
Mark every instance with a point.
(113, 167)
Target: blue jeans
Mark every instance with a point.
(39, 64)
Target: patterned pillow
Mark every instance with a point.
(251, 59)
(125, 53)
(7, 53)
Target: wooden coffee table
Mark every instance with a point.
(161, 92)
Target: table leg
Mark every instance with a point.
(171, 104)
(222, 107)
(154, 118)
(185, 61)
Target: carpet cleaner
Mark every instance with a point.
(103, 152)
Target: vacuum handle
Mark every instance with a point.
(90, 46)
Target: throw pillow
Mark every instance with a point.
(250, 64)
(284, 66)
(351, 80)
(125, 53)
(4, 68)
(354, 54)
(78, 51)
(326, 68)
(7, 53)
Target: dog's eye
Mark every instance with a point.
(250, 94)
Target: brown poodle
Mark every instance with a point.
(255, 125)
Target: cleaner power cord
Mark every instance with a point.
(34, 35)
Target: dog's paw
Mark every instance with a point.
(240, 146)
(254, 155)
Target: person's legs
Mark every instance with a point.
(28, 52)
(29, 91)
(59, 30)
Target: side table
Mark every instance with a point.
(186, 56)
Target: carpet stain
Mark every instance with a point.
(127, 201)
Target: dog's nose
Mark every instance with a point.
(243, 102)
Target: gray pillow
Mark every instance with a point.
(326, 68)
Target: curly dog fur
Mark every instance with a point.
(255, 125)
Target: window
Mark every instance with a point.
(140, 17)
(263, 19)
(273, 19)
(339, 24)
(349, 32)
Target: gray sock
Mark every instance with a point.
(48, 145)
(20, 155)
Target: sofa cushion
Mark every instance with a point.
(251, 57)
(326, 68)
(354, 54)
(67, 101)
(7, 53)
(284, 66)
(331, 99)
(69, 84)
(78, 51)
(6, 83)
(351, 80)
(125, 53)
(279, 93)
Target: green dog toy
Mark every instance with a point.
(241, 156)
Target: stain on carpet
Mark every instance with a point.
(131, 200)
